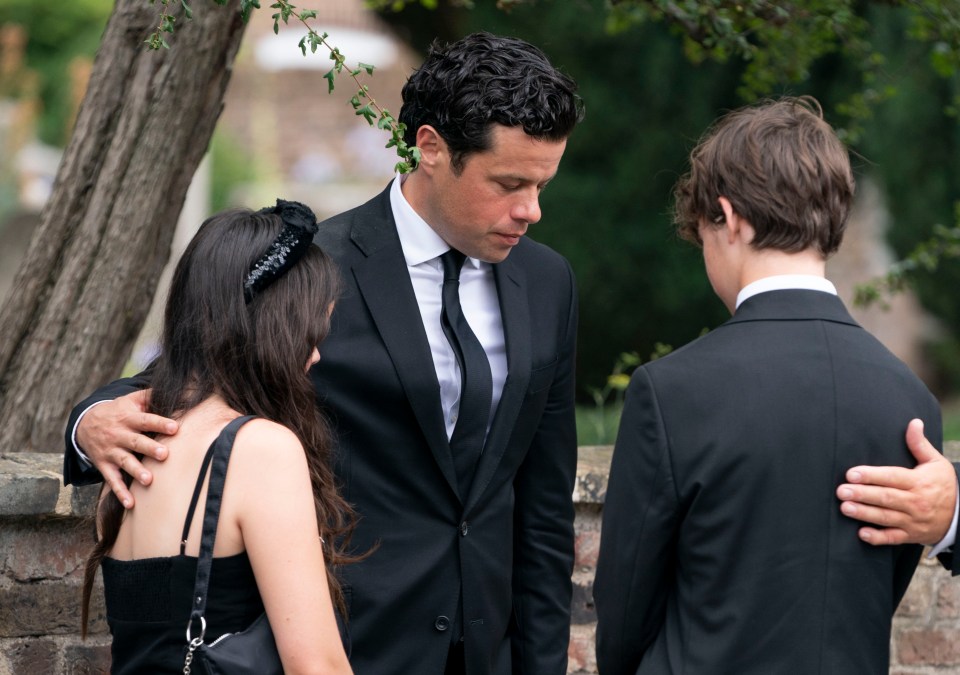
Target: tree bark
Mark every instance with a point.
(84, 287)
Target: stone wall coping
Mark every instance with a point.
(31, 483)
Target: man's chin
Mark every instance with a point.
(494, 257)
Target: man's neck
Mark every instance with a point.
(413, 187)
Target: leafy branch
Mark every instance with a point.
(615, 388)
(363, 103)
(926, 257)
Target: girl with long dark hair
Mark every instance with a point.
(249, 304)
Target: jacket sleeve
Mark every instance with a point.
(543, 523)
(76, 470)
(641, 518)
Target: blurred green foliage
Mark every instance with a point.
(912, 148)
(951, 420)
(231, 166)
(57, 32)
(667, 70)
(654, 75)
(607, 210)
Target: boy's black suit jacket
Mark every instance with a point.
(724, 550)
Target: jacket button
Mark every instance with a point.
(442, 623)
(464, 529)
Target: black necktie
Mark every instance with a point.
(476, 386)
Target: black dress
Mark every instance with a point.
(149, 603)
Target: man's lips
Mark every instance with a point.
(510, 237)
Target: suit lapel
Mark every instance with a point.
(384, 282)
(515, 314)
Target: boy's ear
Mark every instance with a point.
(734, 224)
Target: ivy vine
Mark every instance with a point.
(362, 102)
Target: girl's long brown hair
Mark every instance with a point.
(252, 355)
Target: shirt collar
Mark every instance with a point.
(780, 282)
(418, 240)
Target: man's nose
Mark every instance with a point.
(528, 208)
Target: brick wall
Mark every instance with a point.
(45, 536)
(44, 541)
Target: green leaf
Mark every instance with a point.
(303, 45)
(367, 67)
(246, 7)
(329, 77)
(368, 114)
(308, 14)
(187, 12)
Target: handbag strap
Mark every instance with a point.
(220, 450)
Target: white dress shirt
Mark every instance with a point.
(814, 283)
(780, 282)
(422, 248)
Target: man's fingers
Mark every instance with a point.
(155, 423)
(913, 505)
(886, 476)
(874, 515)
(919, 446)
(132, 466)
(146, 446)
(886, 537)
(868, 495)
(114, 479)
(130, 410)
(140, 398)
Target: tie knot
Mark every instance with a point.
(452, 262)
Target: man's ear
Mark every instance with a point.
(735, 225)
(433, 149)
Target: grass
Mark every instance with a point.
(597, 426)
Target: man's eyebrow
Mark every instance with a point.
(522, 179)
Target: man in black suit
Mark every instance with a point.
(723, 549)
(474, 527)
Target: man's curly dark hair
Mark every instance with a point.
(464, 87)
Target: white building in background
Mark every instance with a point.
(308, 144)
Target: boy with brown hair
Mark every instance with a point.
(724, 550)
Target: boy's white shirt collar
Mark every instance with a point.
(781, 282)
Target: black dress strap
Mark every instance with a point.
(196, 495)
(220, 451)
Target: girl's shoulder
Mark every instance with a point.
(267, 445)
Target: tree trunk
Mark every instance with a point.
(83, 290)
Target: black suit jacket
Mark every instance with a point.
(724, 549)
(508, 543)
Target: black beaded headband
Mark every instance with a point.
(299, 226)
